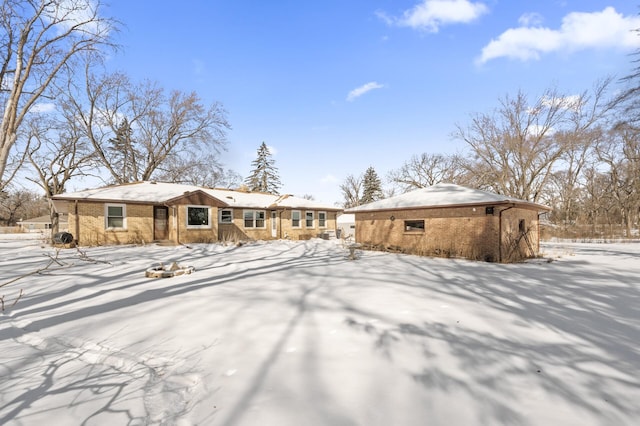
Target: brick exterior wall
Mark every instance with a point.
(91, 227)
(467, 232)
(236, 231)
(91, 230)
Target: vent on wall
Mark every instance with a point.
(489, 210)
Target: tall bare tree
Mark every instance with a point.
(351, 191)
(139, 131)
(39, 40)
(515, 148)
(426, 170)
(58, 151)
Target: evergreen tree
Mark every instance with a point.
(123, 155)
(371, 187)
(264, 176)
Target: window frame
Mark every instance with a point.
(322, 220)
(205, 226)
(221, 212)
(410, 226)
(254, 219)
(107, 217)
(299, 219)
(306, 219)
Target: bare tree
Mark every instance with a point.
(351, 191)
(20, 204)
(621, 155)
(137, 130)
(427, 170)
(200, 170)
(514, 150)
(57, 151)
(40, 40)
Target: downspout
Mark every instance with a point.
(500, 232)
(77, 230)
(280, 224)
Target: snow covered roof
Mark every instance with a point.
(161, 192)
(441, 195)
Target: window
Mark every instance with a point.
(414, 225)
(308, 219)
(115, 216)
(489, 211)
(198, 217)
(295, 218)
(226, 216)
(254, 219)
(522, 226)
(322, 219)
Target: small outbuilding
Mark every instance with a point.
(448, 220)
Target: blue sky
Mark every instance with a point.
(334, 87)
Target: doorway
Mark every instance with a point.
(160, 222)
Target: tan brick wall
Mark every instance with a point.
(466, 232)
(237, 231)
(92, 226)
(515, 246)
(195, 235)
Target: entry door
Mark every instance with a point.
(160, 222)
(274, 224)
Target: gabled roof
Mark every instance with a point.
(443, 195)
(162, 192)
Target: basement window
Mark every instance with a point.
(414, 225)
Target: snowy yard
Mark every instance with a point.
(295, 333)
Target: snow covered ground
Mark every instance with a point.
(294, 333)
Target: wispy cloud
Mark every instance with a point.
(43, 107)
(430, 15)
(578, 31)
(359, 91)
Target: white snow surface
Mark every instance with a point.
(295, 333)
(439, 195)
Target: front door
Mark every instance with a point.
(160, 222)
(274, 224)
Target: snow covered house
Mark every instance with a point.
(452, 221)
(155, 211)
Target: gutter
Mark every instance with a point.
(500, 231)
(77, 230)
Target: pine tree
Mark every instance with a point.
(264, 176)
(371, 187)
(123, 154)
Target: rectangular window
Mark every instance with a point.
(414, 225)
(322, 219)
(254, 218)
(308, 219)
(198, 217)
(115, 216)
(295, 218)
(226, 216)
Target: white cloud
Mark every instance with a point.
(329, 179)
(578, 31)
(430, 15)
(530, 19)
(359, 91)
(43, 107)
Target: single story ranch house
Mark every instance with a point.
(154, 211)
(452, 221)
